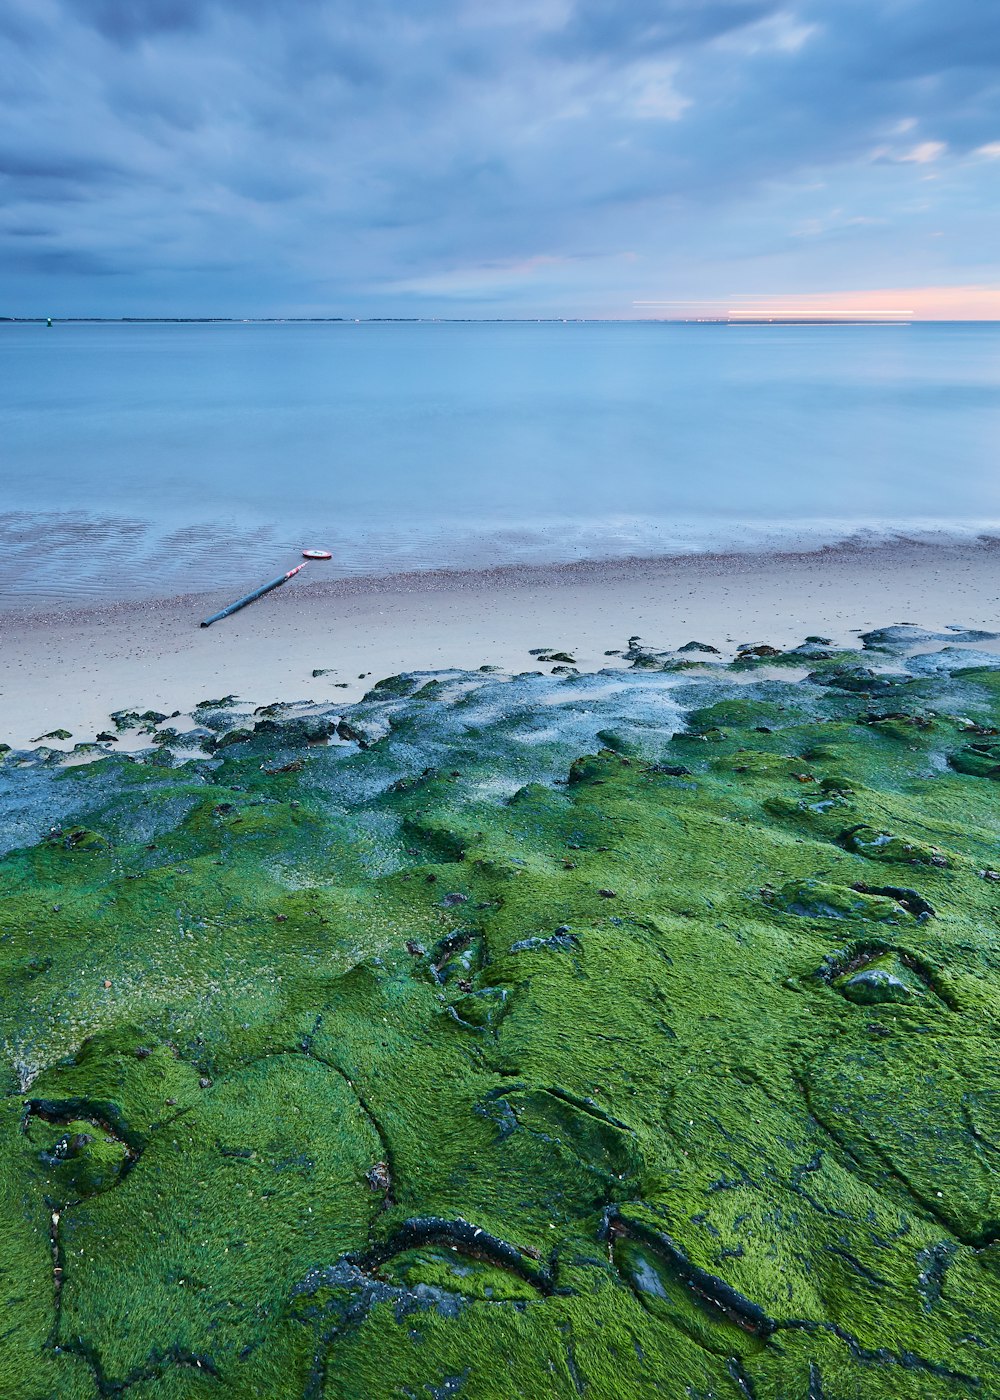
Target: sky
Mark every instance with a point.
(499, 157)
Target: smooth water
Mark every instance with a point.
(154, 459)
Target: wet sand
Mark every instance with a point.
(69, 670)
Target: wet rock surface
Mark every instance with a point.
(439, 1046)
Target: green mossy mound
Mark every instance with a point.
(884, 846)
(396, 1066)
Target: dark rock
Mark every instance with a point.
(699, 646)
(809, 651)
(303, 729)
(392, 687)
(645, 660)
(951, 660)
(971, 634)
(858, 680)
(905, 634)
(125, 719)
(873, 986)
(168, 736)
(379, 1178)
(234, 736)
(875, 978)
(562, 941)
(760, 649)
(902, 634)
(353, 735)
(907, 899)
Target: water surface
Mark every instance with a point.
(153, 459)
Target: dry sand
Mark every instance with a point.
(69, 670)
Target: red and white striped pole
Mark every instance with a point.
(267, 587)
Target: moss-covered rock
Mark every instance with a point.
(821, 899)
(479, 1055)
(886, 978)
(883, 845)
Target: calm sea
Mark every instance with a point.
(155, 459)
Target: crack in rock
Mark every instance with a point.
(720, 1300)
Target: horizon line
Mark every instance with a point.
(736, 317)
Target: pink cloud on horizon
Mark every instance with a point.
(970, 302)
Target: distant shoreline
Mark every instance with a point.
(846, 320)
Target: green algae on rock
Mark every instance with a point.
(333, 1070)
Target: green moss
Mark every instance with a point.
(820, 899)
(880, 980)
(80, 1160)
(883, 846)
(342, 1073)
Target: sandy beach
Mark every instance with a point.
(69, 670)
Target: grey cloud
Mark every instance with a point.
(126, 21)
(641, 26)
(55, 262)
(352, 148)
(78, 169)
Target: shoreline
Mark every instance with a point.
(69, 668)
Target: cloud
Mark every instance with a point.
(127, 21)
(974, 302)
(607, 28)
(924, 153)
(244, 156)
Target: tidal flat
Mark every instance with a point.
(619, 1034)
